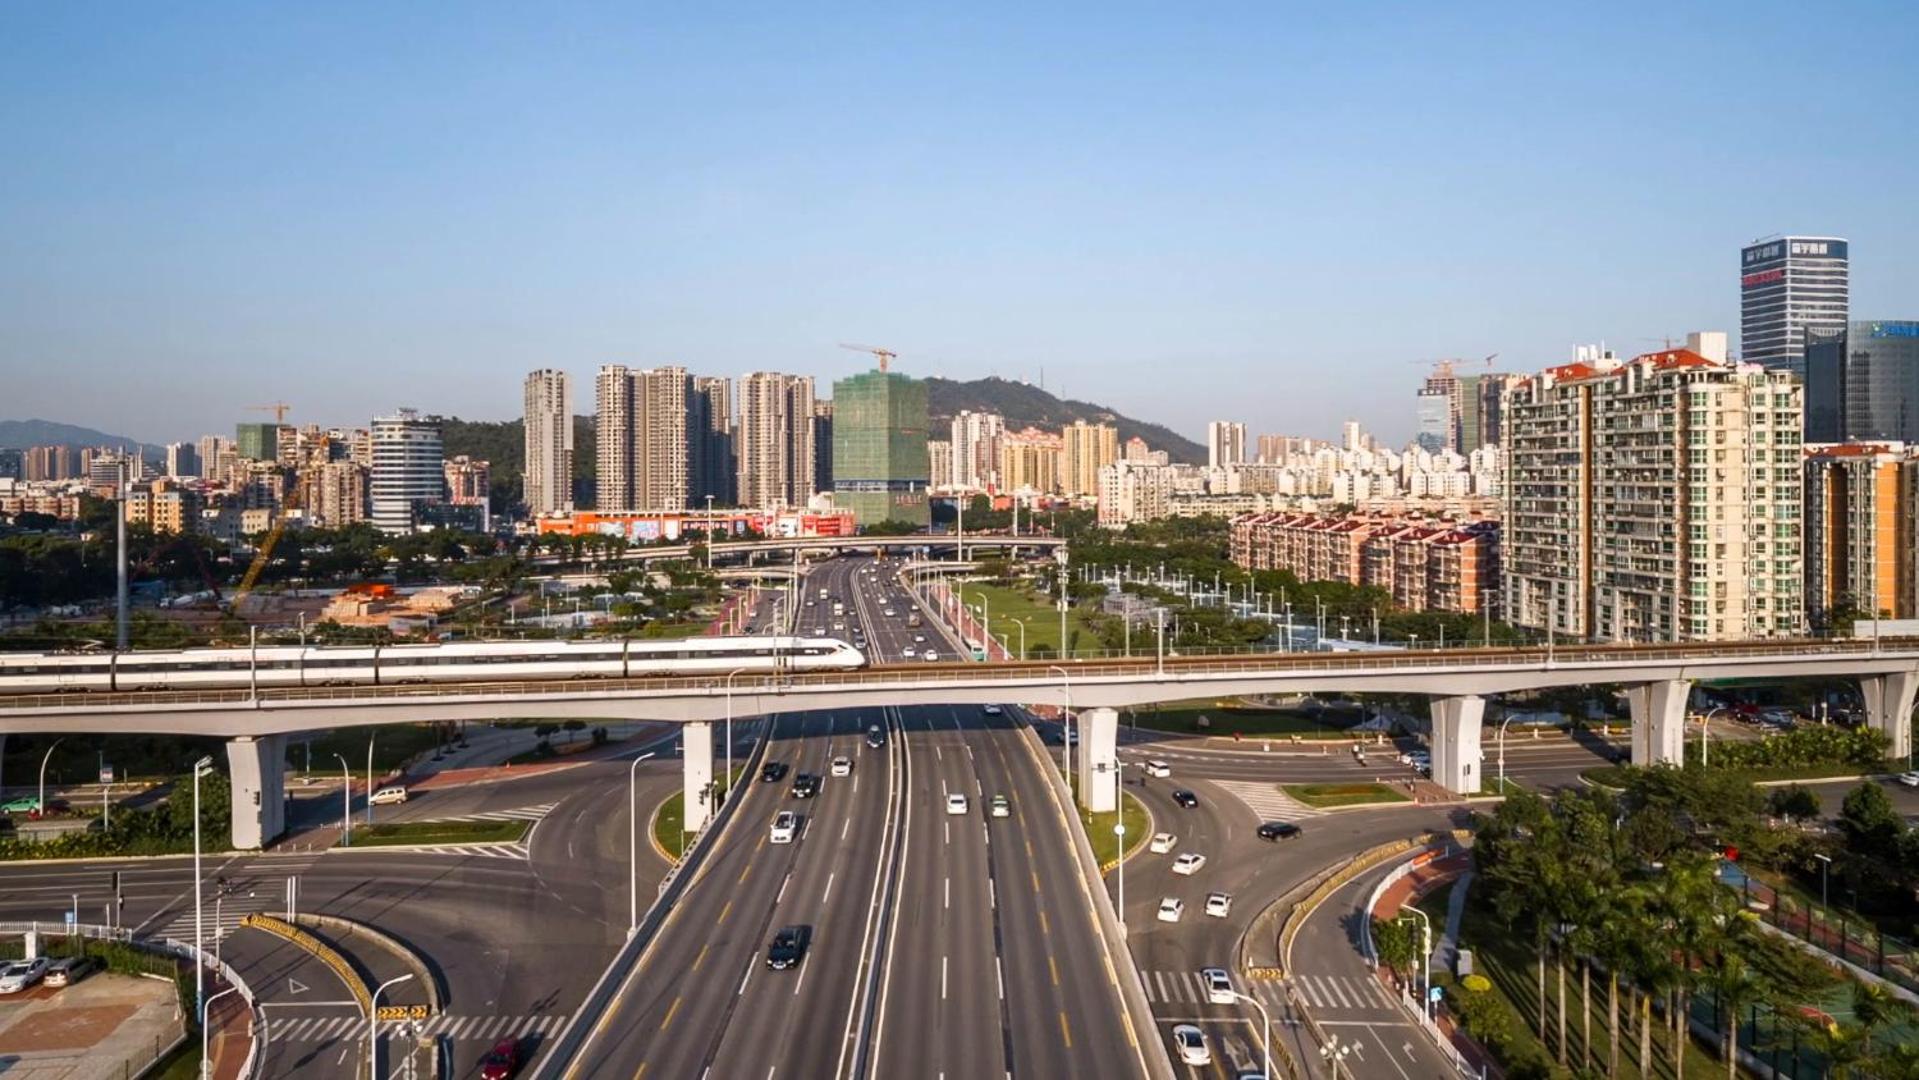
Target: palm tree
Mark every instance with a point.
(1842, 1045)
(1873, 1006)
(1898, 1062)
(1736, 986)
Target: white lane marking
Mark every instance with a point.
(802, 979)
(829, 889)
(946, 829)
(992, 893)
(744, 978)
(947, 891)
(942, 978)
(843, 828)
(783, 884)
(999, 977)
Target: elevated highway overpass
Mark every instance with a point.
(833, 545)
(1658, 679)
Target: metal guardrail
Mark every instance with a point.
(1601, 659)
(320, 951)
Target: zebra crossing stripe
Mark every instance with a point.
(1267, 801)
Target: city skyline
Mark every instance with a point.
(1241, 221)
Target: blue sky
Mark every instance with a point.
(1264, 212)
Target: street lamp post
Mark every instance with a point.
(1022, 638)
(1502, 751)
(371, 735)
(633, 844)
(206, 1060)
(1266, 1034)
(1703, 723)
(729, 729)
(1335, 1053)
(1825, 863)
(346, 802)
(373, 1027)
(200, 768)
(41, 806)
(1065, 723)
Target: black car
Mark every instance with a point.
(1279, 830)
(875, 738)
(1185, 798)
(773, 772)
(805, 786)
(788, 948)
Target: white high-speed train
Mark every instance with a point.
(388, 665)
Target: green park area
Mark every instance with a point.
(669, 821)
(1099, 829)
(1009, 607)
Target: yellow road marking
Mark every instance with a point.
(1035, 874)
(745, 870)
(1043, 927)
(724, 912)
(1111, 975)
(701, 959)
(1065, 1032)
(642, 1072)
(1131, 1039)
(674, 1008)
(1051, 963)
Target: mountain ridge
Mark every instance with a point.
(1026, 405)
(22, 434)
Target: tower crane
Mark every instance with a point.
(1444, 369)
(279, 409)
(886, 356)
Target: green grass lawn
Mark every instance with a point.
(1099, 829)
(1324, 796)
(1614, 776)
(669, 823)
(1227, 718)
(1007, 607)
(388, 834)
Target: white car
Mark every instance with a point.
(786, 825)
(1000, 807)
(1219, 985)
(889, 613)
(1161, 843)
(1192, 1045)
(1189, 863)
(956, 803)
(20, 974)
(908, 655)
(1219, 904)
(1171, 908)
(929, 656)
(394, 794)
(1158, 770)
(1910, 779)
(842, 766)
(919, 639)
(993, 710)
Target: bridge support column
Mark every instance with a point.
(1659, 721)
(1456, 753)
(258, 768)
(1098, 756)
(696, 748)
(1889, 700)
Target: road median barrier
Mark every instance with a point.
(320, 951)
(409, 958)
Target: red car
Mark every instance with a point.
(500, 1061)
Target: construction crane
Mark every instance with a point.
(279, 409)
(887, 356)
(1443, 369)
(261, 557)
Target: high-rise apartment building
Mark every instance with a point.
(1029, 462)
(257, 442)
(1088, 448)
(13, 463)
(1862, 382)
(547, 482)
(181, 460)
(1788, 284)
(976, 439)
(1225, 444)
(713, 471)
(1433, 418)
(1861, 532)
(1480, 410)
(776, 451)
(1654, 500)
(52, 463)
(822, 445)
(939, 464)
(334, 494)
(408, 471)
(642, 437)
(469, 482)
(880, 469)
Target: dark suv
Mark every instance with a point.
(1185, 798)
(788, 948)
(805, 786)
(875, 738)
(773, 772)
(1279, 830)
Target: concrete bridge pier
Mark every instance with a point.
(1889, 700)
(1098, 757)
(696, 749)
(1456, 751)
(1659, 721)
(257, 765)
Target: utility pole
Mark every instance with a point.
(120, 636)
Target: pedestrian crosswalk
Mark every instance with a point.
(1267, 801)
(482, 851)
(523, 813)
(349, 1026)
(230, 900)
(1321, 993)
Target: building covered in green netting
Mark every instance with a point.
(880, 467)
